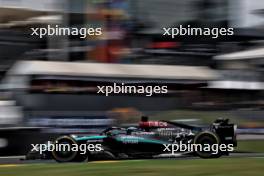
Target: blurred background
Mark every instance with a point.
(48, 85)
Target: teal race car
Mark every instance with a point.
(149, 139)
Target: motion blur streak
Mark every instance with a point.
(49, 84)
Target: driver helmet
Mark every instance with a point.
(131, 129)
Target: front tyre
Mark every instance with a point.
(206, 140)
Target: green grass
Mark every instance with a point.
(251, 146)
(199, 167)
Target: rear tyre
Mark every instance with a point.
(66, 154)
(206, 139)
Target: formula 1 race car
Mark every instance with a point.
(149, 139)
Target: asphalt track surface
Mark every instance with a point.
(20, 159)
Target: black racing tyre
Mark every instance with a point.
(67, 155)
(205, 138)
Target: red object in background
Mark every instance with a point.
(148, 124)
(164, 45)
